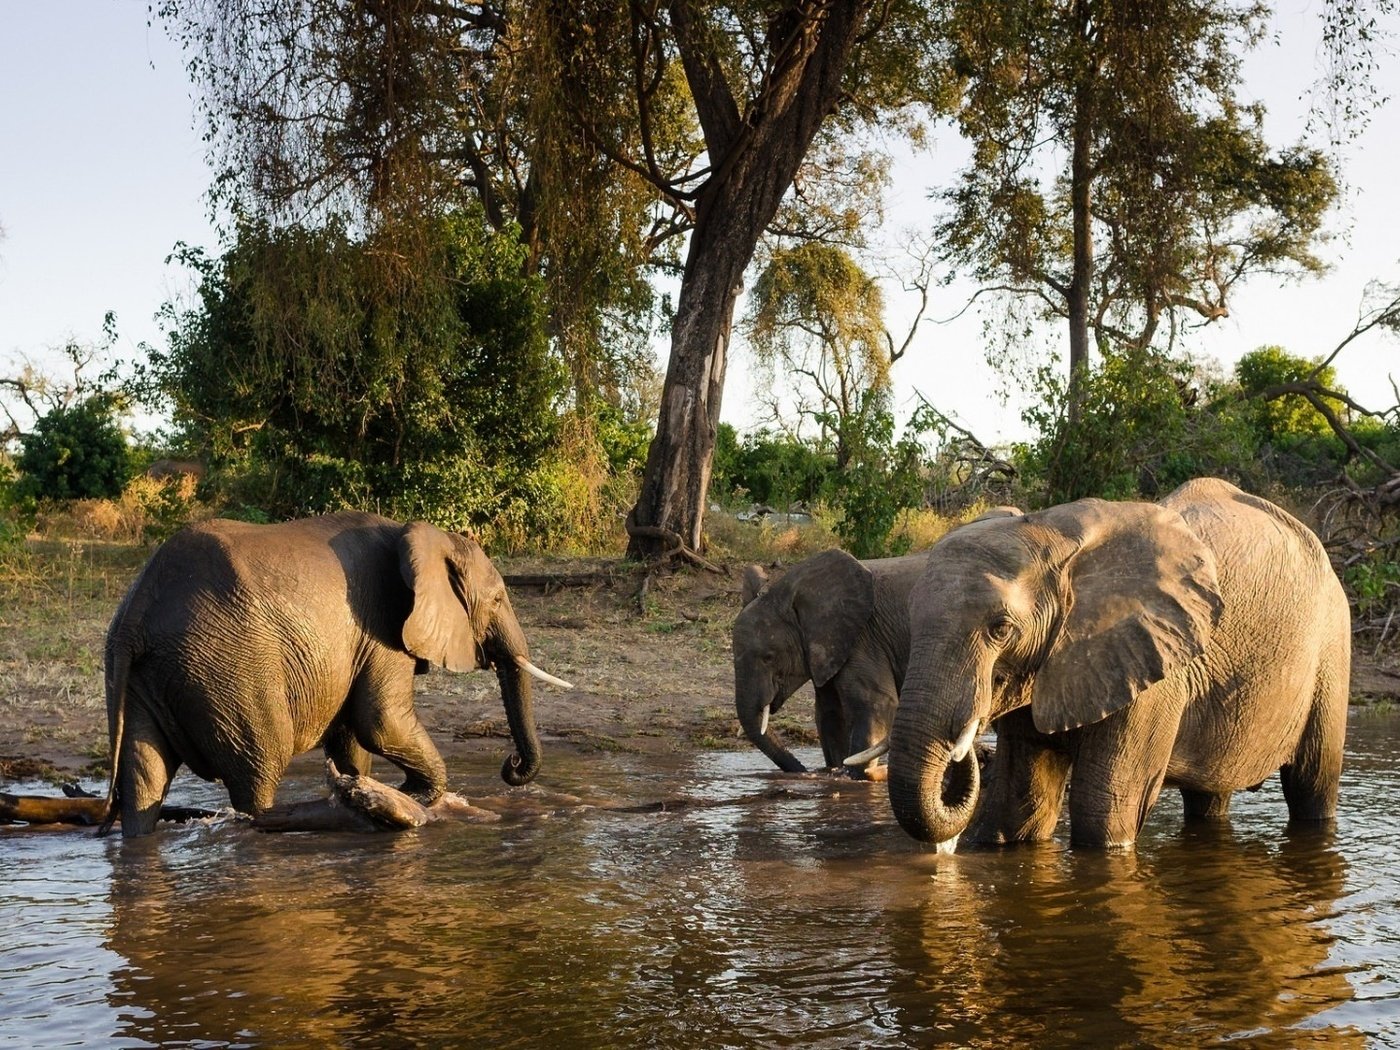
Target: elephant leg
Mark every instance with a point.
(345, 751)
(147, 764)
(1311, 779)
(1205, 805)
(385, 723)
(1119, 766)
(831, 726)
(1023, 788)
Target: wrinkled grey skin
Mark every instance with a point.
(837, 622)
(1202, 642)
(240, 646)
(840, 623)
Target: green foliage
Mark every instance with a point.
(883, 473)
(624, 441)
(312, 382)
(1289, 416)
(1371, 582)
(777, 470)
(1144, 428)
(75, 451)
(882, 476)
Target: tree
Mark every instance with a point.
(817, 317)
(305, 372)
(764, 80)
(1162, 193)
(1287, 415)
(605, 130)
(391, 114)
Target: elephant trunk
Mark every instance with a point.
(754, 718)
(933, 775)
(511, 651)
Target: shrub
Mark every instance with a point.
(1145, 426)
(74, 452)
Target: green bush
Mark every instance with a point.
(882, 477)
(317, 373)
(1146, 424)
(74, 452)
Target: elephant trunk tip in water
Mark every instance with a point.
(934, 800)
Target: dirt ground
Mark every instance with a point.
(651, 673)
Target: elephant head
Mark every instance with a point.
(802, 627)
(1074, 611)
(462, 619)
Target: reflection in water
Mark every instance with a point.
(808, 920)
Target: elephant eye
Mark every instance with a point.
(1001, 629)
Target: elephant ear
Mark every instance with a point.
(755, 579)
(439, 629)
(833, 597)
(1141, 600)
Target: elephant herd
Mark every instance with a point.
(1201, 642)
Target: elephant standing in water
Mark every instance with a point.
(838, 622)
(239, 646)
(843, 624)
(1201, 642)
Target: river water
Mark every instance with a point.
(704, 902)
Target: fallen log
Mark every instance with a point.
(82, 810)
(361, 803)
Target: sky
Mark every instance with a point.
(102, 172)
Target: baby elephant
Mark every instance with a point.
(240, 646)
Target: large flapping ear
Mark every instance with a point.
(755, 579)
(833, 597)
(439, 629)
(1140, 600)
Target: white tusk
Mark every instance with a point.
(763, 725)
(529, 668)
(860, 758)
(964, 744)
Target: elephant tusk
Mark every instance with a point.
(965, 742)
(763, 724)
(529, 668)
(860, 758)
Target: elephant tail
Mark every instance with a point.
(118, 672)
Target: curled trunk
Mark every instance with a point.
(932, 794)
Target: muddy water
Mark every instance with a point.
(751, 910)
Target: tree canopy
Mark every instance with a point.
(1117, 179)
(347, 389)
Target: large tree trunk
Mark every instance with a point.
(755, 156)
(1081, 177)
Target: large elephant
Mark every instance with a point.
(239, 646)
(1201, 642)
(842, 624)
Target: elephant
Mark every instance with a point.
(842, 624)
(239, 646)
(1201, 642)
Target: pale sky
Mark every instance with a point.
(102, 171)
